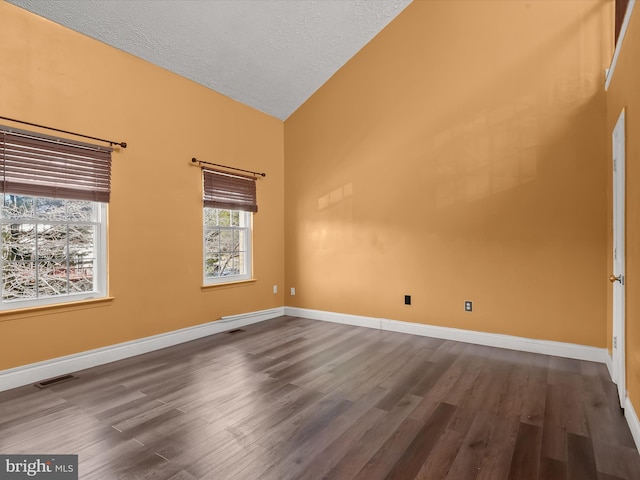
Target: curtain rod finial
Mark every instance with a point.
(194, 159)
(123, 144)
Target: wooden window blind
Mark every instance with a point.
(40, 165)
(229, 190)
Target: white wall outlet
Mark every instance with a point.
(293, 291)
(275, 289)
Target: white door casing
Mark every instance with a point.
(618, 276)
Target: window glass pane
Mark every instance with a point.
(242, 246)
(81, 277)
(235, 218)
(211, 248)
(226, 241)
(52, 242)
(17, 206)
(224, 218)
(234, 265)
(19, 280)
(211, 243)
(18, 242)
(240, 258)
(81, 240)
(212, 263)
(225, 265)
(80, 211)
(210, 217)
(52, 277)
(50, 209)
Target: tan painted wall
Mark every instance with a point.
(54, 76)
(624, 92)
(459, 156)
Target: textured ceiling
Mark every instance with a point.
(269, 54)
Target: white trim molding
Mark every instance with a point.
(623, 30)
(633, 422)
(35, 372)
(545, 347)
(609, 362)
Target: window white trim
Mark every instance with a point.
(100, 273)
(246, 228)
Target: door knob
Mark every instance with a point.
(613, 279)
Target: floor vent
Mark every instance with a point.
(236, 330)
(54, 381)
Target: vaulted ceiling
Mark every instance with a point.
(269, 54)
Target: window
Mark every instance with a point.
(52, 250)
(229, 202)
(227, 245)
(52, 219)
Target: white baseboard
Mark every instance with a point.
(609, 362)
(35, 372)
(546, 347)
(633, 422)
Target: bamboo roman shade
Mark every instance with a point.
(229, 190)
(40, 165)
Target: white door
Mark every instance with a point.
(617, 278)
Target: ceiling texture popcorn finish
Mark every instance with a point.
(269, 54)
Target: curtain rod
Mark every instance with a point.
(110, 142)
(194, 160)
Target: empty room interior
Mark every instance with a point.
(424, 267)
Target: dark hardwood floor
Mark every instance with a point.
(299, 399)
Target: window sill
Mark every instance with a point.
(7, 315)
(238, 283)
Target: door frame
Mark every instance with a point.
(618, 254)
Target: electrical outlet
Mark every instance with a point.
(293, 291)
(468, 306)
(275, 289)
(407, 299)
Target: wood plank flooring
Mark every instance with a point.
(298, 399)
